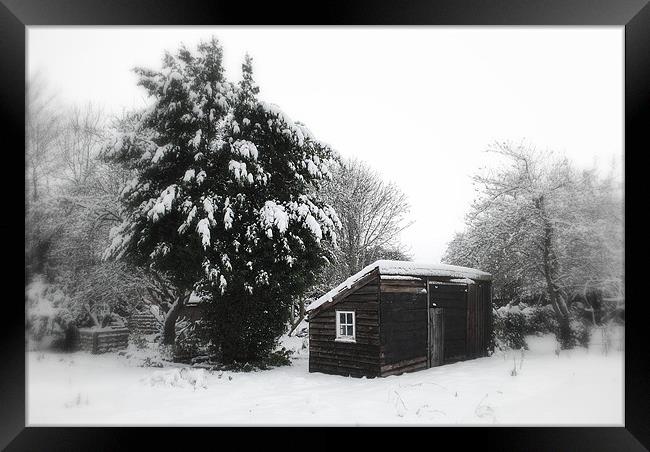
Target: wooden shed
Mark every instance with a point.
(397, 316)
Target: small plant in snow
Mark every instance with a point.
(149, 362)
(77, 401)
(182, 378)
(400, 406)
(139, 341)
(482, 411)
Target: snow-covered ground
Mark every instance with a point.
(577, 387)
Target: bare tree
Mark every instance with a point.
(541, 226)
(118, 288)
(43, 127)
(372, 213)
(86, 195)
(73, 203)
(80, 141)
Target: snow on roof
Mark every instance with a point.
(402, 268)
(462, 280)
(400, 278)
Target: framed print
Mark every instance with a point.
(372, 215)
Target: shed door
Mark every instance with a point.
(447, 322)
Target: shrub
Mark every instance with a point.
(510, 329)
(188, 344)
(139, 341)
(540, 319)
(513, 322)
(581, 332)
(276, 358)
(166, 352)
(573, 333)
(46, 318)
(279, 358)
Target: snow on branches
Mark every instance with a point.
(219, 173)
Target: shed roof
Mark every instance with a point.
(402, 268)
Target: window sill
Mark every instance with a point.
(344, 339)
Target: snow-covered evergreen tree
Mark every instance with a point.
(225, 198)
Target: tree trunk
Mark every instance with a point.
(169, 326)
(550, 274)
(296, 321)
(292, 317)
(34, 185)
(92, 316)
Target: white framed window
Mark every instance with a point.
(345, 326)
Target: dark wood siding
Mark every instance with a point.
(473, 321)
(484, 318)
(403, 313)
(451, 300)
(479, 317)
(357, 359)
(396, 331)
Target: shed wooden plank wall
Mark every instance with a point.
(341, 358)
(392, 326)
(404, 330)
(479, 316)
(473, 321)
(485, 316)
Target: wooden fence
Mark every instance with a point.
(103, 340)
(143, 323)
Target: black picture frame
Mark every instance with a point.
(634, 15)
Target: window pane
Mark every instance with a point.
(342, 317)
(350, 330)
(349, 318)
(342, 330)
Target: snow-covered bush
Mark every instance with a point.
(280, 357)
(540, 319)
(138, 340)
(108, 293)
(581, 332)
(537, 319)
(573, 333)
(509, 328)
(189, 344)
(513, 322)
(47, 316)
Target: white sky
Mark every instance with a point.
(420, 104)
